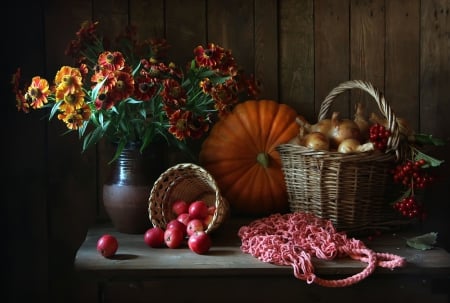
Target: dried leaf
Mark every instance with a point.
(423, 242)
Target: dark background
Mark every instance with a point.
(299, 50)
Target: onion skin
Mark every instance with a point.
(368, 146)
(323, 126)
(316, 141)
(349, 145)
(342, 129)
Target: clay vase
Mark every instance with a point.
(127, 187)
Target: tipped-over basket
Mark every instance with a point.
(351, 190)
(189, 182)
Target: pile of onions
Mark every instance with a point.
(326, 134)
(342, 135)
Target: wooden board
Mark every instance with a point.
(296, 56)
(331, 53)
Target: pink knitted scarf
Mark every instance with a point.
(291, 239)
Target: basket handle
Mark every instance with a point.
(385, 109)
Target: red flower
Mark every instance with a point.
(174, 95)
(209, 57)
(184, 125)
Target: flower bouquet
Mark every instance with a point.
(127, 91)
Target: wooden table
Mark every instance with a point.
(139, 273)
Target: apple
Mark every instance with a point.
(199, 242)
(207, 220)
(184, 218)
(211, 209)
(193, 226)
(154, 237)
(173, 237)
(107, 245)
(198, 210)
(175, 224)
(180, 207)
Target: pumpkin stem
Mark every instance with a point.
(263, 159)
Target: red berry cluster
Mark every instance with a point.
(412, 175)
(379, 135)
(410, 208)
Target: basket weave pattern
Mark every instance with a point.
(348, 189)
(189, 182)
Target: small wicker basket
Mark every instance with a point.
(189, 182)
(349, 189)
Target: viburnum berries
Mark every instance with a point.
(411, 174)
(379, 135)
(410, 207)
(414, 174)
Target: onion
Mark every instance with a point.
(342, 129)
(349, 145)
(316, 141)
(323, 126)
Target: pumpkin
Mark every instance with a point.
(240, 153)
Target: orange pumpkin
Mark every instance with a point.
(240, 154)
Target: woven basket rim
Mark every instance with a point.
(156, 209)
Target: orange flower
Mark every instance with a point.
(37, 92)
(68, 80)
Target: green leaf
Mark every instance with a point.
(136, 69)
(96, 89)
(431, 162)
(54, 109)
(425, 139)
(423, 242)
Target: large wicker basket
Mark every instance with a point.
(351, 190)
(189, 182)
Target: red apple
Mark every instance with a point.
(200, 242)
(173, 237)
(198, 210)
(154, 237)
(175, 224)
(184, 218)
(193, 226)
(207, 220)
(180, 207)
(107, 245)
(211, 209)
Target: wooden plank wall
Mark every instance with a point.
(299, 50)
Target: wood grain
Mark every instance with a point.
(296, 56)
(331, 52)
(367, 44)
(402, 58)
(266, 48)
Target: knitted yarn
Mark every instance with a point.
(291, 239)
